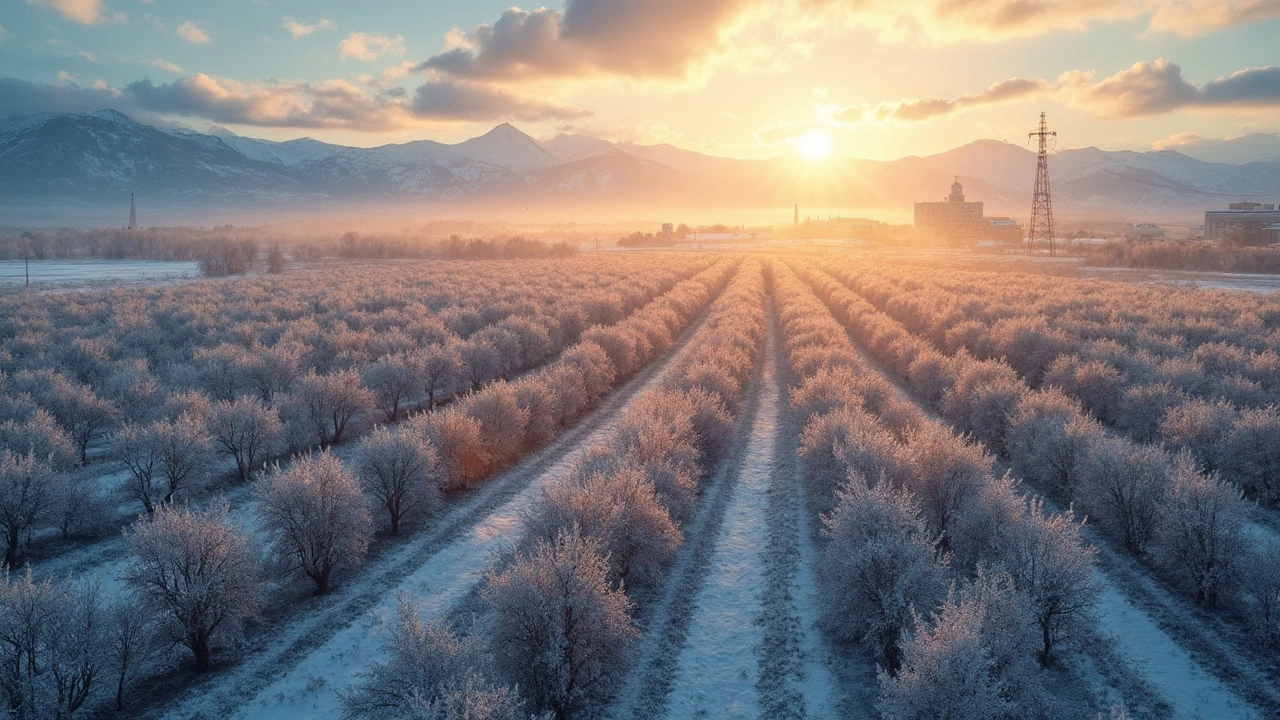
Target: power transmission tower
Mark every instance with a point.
(1041, 202)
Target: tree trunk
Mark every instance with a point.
(11, 551)
(1046, 656)
(200, 649)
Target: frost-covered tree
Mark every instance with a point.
(965, 664)
(462, 448)
(198, 577)
(28, 488)
(128, 638)
(330, 402)
(556, 628)
(481, 363)
(945, 473)
(317, 517)
(42, 436)
(430, 674)
(246, 430)
(1199, 538)
(164, 458)
(1260, 590)
(621, 511)
(83, 413)
(1121, 486)
(438, 368)
(50, 646)
(502, 420)
(401, 471)
(880, 567)
(392, 381)
(1053, 568)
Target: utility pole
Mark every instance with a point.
(1041, 203)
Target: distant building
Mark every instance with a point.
(1254, 220)
(1145, 231)
(960, 223)
(668, 230)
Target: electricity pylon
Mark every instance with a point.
(1041, 203)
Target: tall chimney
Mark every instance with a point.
(133, 213)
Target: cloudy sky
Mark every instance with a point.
(743, 78)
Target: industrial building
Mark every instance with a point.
(959, 223)
(1257, 223)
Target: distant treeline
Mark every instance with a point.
(229, 250)
(1171, 255)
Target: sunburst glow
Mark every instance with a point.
(814, 145)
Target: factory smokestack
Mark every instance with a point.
(133, 213)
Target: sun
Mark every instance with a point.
(814, 145)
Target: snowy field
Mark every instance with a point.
(76, 273)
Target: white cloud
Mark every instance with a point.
(192, 33)
(85, 12)
(162, 64)
(300, 29)
(370, 46)
(89, 56)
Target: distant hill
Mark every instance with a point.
(95, 158)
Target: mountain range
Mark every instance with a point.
(92, 159)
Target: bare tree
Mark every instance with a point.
(556, 628)
(402, 472)
(480, 363)
(196, 573)
(246, 430)
(318, 518)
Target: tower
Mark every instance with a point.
(1041, 227)
(133, 213)
(957, 191)
(795, 218)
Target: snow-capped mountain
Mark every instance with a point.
(95, 157)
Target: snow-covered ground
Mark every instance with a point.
(281, 683)
(718, 669)
(1192, 691)
(65, 273)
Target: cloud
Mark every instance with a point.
(370, 46)
(85, 12)
(635, 38)
(914, 110)
(192, 33)
(300, 29)
(1191, 18)
(447, 100)
(162, 64)
(1153, 88)
(19, 97)
(332, 104)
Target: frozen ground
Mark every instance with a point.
(74, 273)
(1173, 673)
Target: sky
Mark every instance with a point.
(880, 79)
